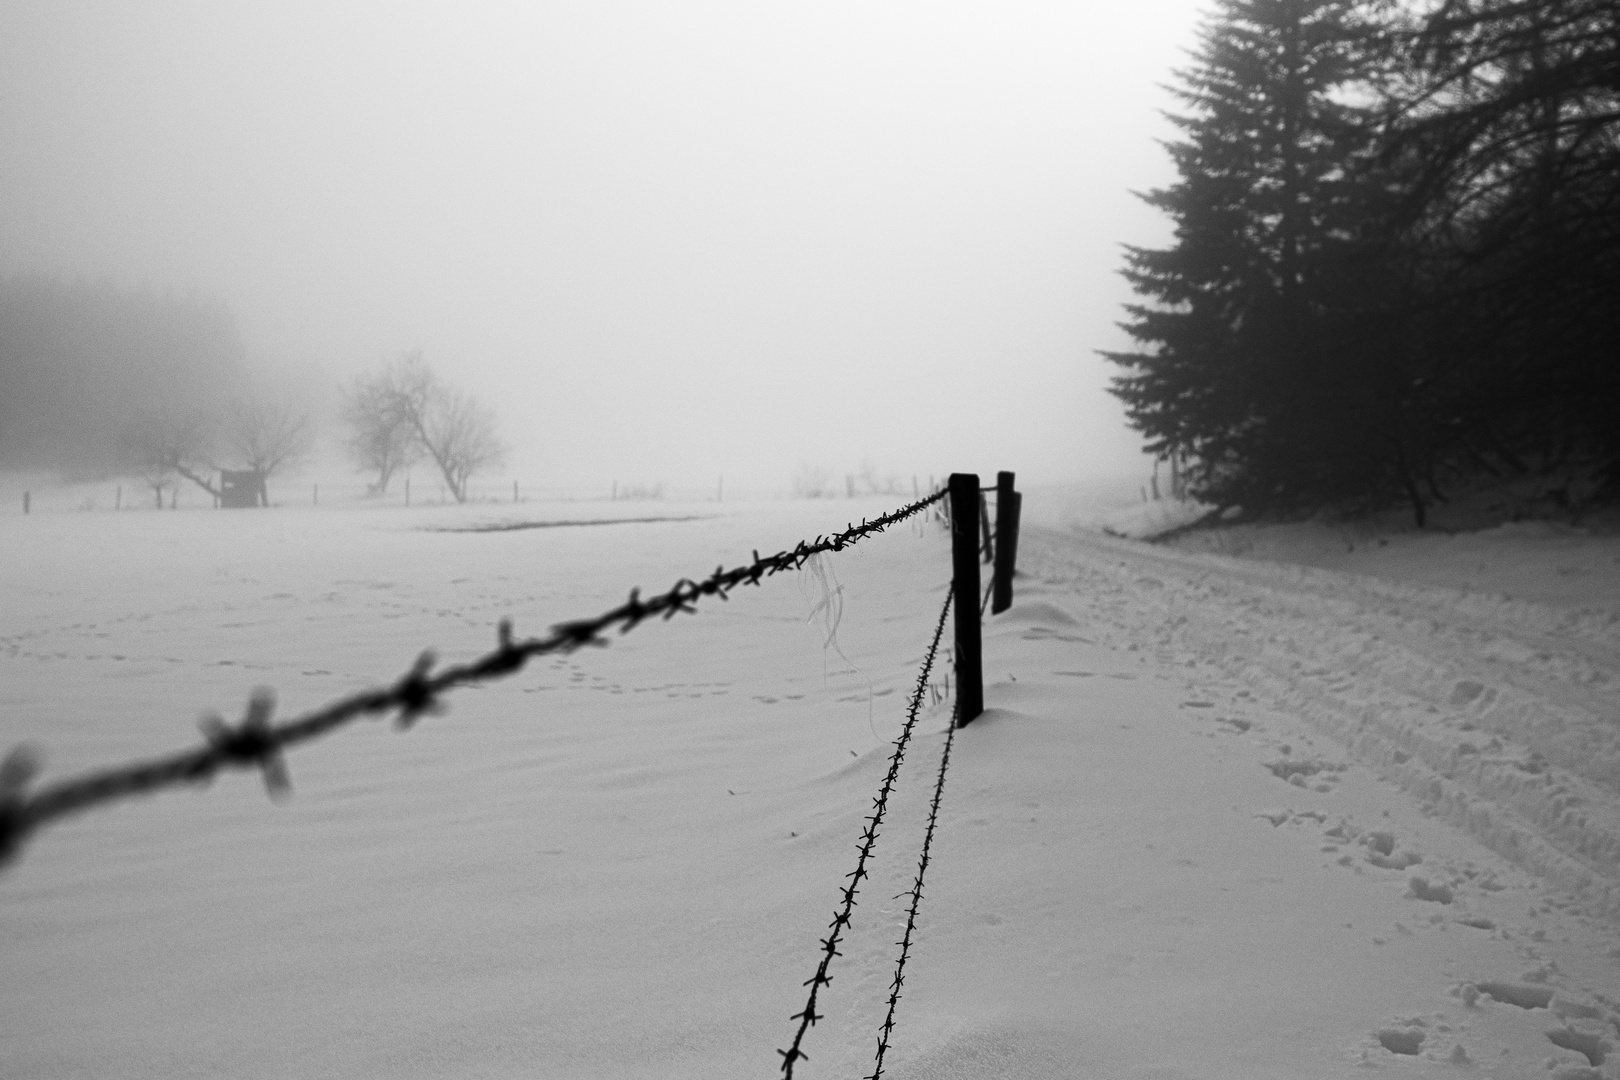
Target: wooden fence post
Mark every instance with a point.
(984, 529)
(1008, 503)
(965, 583)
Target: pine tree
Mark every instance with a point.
(1513, 108)
(1253, 348)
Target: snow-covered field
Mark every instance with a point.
(1223, 818)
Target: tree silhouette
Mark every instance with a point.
(1249, 351)
(265, 436)
(404, 408)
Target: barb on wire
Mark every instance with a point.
(916, 900)
(880, 805)
(256, 743)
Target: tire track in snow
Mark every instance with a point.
(1498, 715)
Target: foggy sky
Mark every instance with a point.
(667, 241)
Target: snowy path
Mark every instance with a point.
(1504, 715)
(1154, 860)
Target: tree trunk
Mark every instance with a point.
(1420, 512)
(195, 479)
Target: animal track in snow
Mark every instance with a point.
(1591, 1044)
(1288, 816)
(1418, 888)
(1296, 771)
(1401, 1040)
(1382, 852)
(1523, 995)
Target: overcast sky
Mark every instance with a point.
(667, 241)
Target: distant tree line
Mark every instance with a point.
(1396, 263)
(95, 379)
(79, 360)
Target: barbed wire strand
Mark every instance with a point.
(256, 743)
(916, 901)
(880, 804)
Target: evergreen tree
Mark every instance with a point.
(1253, 350)
(1513, 109)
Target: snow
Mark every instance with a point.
(1150, 520)
(1549, 563)
(1216, 821)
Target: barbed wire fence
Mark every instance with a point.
(841, 917)
(257, 743)
(904, 943)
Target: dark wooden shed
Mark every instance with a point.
(240, 489)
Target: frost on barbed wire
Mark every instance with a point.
(257, 743)
(828, 613)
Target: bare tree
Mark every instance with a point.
(159, 480)
(812, 482)
(266, 437)
(162, 446)
(455, 431)
(459, 434)
(380, 439)
(877, 484)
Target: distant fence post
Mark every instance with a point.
(27, 498)
(984, 529)
(1008, 503)
(964, 488)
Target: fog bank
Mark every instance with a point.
(666, 243)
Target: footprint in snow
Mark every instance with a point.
(1381, 852)
(1419, 888)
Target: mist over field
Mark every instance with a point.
(524, 326)
(666, 243)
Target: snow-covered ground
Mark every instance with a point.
(1223, 817)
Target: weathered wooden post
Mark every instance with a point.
(1008, 503)
(964, 500)
(984, 527)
